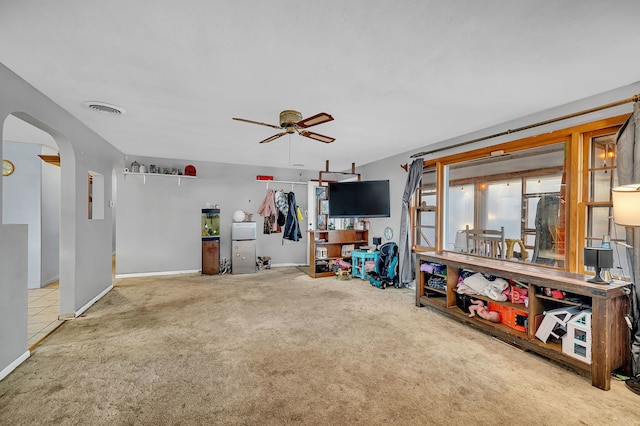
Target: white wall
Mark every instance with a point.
(158, 222)
(22, 200)
(31, 196)
(13, 300)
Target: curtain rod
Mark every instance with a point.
(634, 98)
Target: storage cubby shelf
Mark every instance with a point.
(608, 303)
(332, 241)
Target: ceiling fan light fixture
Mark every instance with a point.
(289, 117)
(105, 108)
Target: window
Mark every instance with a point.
(549, 193)
(517, 193)
(460, 214)
(601, 177)
(426, 203)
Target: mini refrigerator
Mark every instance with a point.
(243, 248)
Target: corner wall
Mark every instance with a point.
(85, 246)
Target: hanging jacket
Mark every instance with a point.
(269, 211)
(281, 202)
(268, 205)
(291, 225)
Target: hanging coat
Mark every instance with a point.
(282, 204)
(269, 211)
(268, 205)
(291, 225)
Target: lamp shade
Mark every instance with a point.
(626, 205)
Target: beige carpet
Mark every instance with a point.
(278, 348)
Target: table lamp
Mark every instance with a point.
(626, 199)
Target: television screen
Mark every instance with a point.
(359, 199)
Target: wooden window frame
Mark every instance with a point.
(575, 171)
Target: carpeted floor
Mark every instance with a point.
(278, 348)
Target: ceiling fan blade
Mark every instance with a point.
(316, 136)
(320, 118)
(274, 137)
(257, 122)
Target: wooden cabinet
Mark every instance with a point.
(210, 256)
(326, 246)
(608, 303)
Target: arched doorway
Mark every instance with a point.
(31, 195)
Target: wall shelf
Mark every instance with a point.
(144, 176)
(281, 182)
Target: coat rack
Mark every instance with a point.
(281, 182)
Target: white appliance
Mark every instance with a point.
(243, 248)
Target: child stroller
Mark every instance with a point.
(387, 267)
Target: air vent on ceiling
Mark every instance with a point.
(105, 107)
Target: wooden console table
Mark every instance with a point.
(609, 304)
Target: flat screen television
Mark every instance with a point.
(359, 199)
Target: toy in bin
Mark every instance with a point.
(511, 317)
(342, 269)
(478, 307)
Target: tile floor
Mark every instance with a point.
(44, 306)
(43, 309)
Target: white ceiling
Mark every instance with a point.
(397, 75)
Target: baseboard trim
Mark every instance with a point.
(92, 301)
(281, 265)
(153, 274)
(9, 368)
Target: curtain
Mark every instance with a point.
(407, 258)
(628, 168)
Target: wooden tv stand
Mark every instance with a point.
(609, 304)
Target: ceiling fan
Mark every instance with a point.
(291, 121)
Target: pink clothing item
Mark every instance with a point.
(268, 205)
